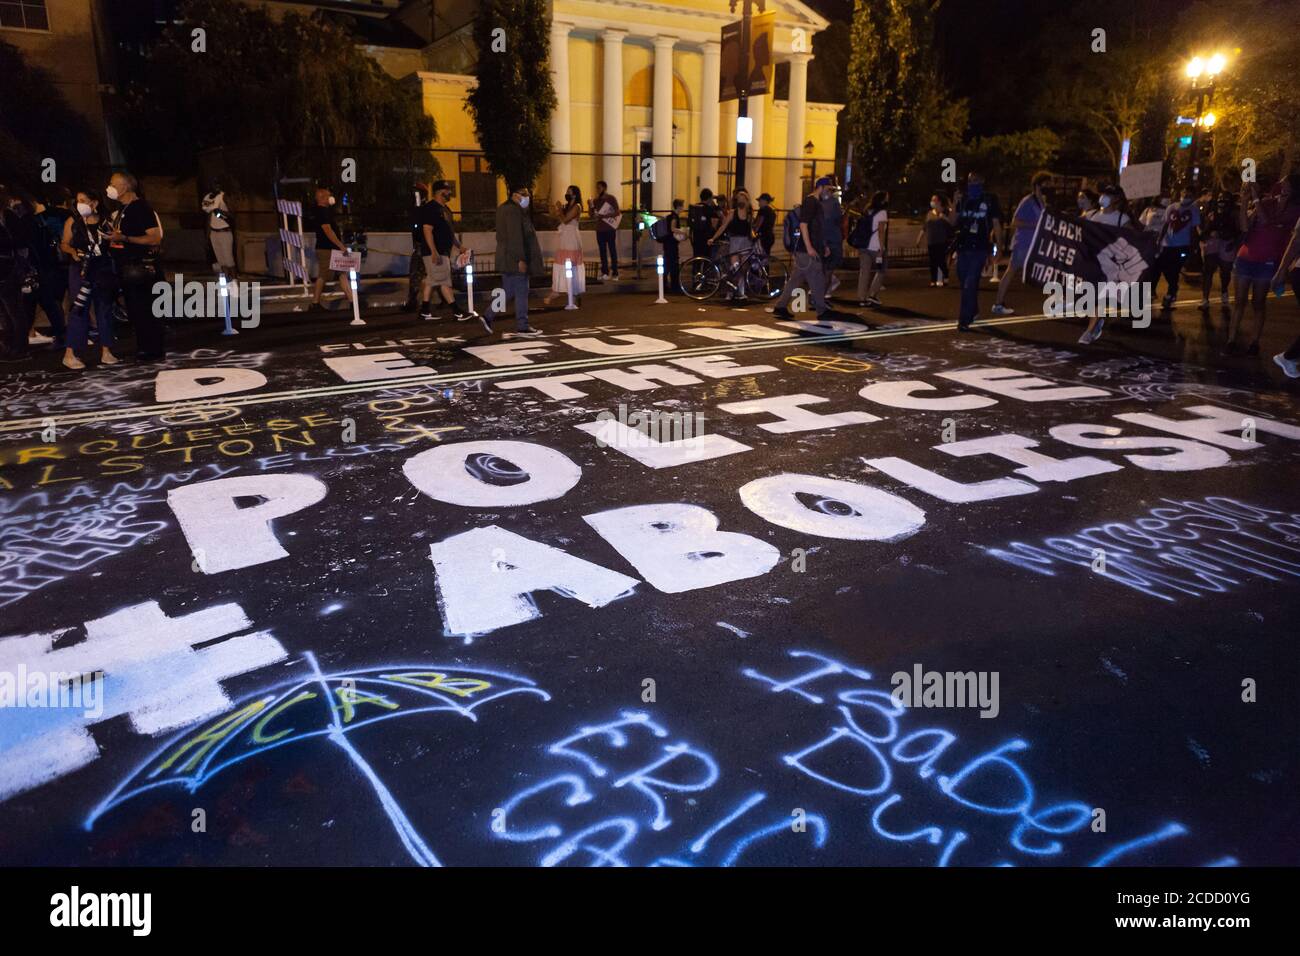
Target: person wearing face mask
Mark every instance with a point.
(1267, 226)
(1181, 221)
(936, 236)
(1023, 223)
(90, 281)
(1112, 208)
(977, 219)
(519, 255)
(809, 249)
(568, 248)
(436, 242)
(135, 240)
(1087, 200)
(325, 221)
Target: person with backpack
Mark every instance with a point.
(90, 280)
(977, 219)
(40, 227)
(805, 239)
(936, 236)
(870, 236)
(704, 217)
(667, 230)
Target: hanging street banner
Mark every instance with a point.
(761, 43)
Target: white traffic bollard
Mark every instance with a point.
(568, 281)
(469, 284)
(356, 305)
(225, 302)
(659, 267)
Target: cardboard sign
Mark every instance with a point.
(341, 261)
(1141, 180)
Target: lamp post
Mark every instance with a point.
(1202, 72)
(744, 126)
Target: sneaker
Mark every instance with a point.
(484, 321)
(835, 283)
(780, 311)
(35, 338)
(528, 333)
(604, 277)
(871, 302)
(463, 316)
(1002, 310)
(1292, 369)
(1091, 335)
(428, 316)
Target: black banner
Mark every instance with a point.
(1068, 250)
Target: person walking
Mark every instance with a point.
(1289, 265)
(220, 230)
(976, 218)
(1267, 226)
(704, 218)
(1087, 201)
(836, 226)
(325, 222)
(870, 236)
(806, 242)
(1023, 223)
(1177, 234)
(13, 270)
(439, 248)
(135, 242)
(604, 209)
(936, 235)
(1220, 238)
(1112, 210)
(519, 256)
(568, 248)
(90, 281)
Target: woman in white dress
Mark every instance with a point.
(568, 249)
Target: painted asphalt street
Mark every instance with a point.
(411, 594)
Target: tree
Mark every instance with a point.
(514, 98)
(897, 107)
(283, 82)
(36, 123)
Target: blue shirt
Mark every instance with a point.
(1179, 222)
(1029, 210)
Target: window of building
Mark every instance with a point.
(24, 14)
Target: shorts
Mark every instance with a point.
(1254, 271)
(1225, 250)
(439, 274)
(323, 263)
(739, 245)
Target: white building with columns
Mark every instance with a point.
(636, 80)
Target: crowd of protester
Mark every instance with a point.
(88, 260)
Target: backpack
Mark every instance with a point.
(659, 230)
(700, 215)
(790, 237)
(860, 237)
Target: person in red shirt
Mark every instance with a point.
(1267, 223)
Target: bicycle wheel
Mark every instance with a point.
(777, 277)
(700, 277)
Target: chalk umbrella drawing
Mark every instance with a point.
(322, 705)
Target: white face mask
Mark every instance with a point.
(523, 201)
(333, 200)
(1104, 201)
(85, 209)
(111, 192)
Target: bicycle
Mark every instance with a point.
(756, 275)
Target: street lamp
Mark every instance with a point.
(1199, 67)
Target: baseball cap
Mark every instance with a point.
(765, 197)
(440, 184)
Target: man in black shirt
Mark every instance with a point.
(437, 244)
(704, 218)
(765, 223)
(977, 219)
(326, 222)
(811, 250)
(135, 240)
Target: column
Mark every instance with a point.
(755, 169)
(797, 128)
(561, 141)
(709, 116)
(614, 168)
(662, 134)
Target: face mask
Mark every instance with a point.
(975, 190)
(523, 201)
(111, 192)
(85, 209)
(333, 200)
(934, 205)
(1105, 201)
